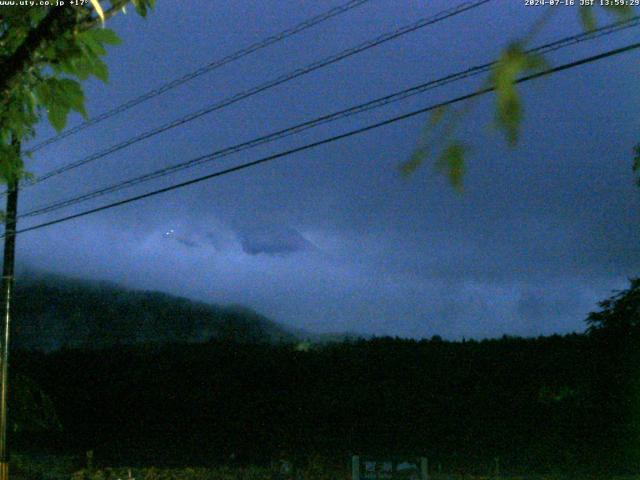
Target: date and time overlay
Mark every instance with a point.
(528, 3)
(582, 3)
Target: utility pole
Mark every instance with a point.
(7, 287)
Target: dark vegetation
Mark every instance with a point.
(53, 312)
(560, 403)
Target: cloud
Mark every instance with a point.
(187, 242)
(333, 238)
(273, 240)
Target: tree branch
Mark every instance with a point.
(116, 6)
(17, 63)
(55, 23)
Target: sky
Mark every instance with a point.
(334, 239)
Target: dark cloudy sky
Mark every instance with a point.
(334, 239)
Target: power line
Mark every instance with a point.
(311, 22)
(332, 139)
(445, 14)
(376, 103)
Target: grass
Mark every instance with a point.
(50, 467)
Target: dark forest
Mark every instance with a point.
(537, 404)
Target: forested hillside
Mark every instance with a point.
(560, 403)
(53, 312)
(537, 404)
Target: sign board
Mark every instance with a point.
(392, 468)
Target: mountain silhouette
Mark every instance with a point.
(53, 312)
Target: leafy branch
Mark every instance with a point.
(44, 54)
(513, 63)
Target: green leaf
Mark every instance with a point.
(513, 62)
(100, 70)
(142, 6)
(411, 165)
(510, 115)
(451, 162)
(32, 101)
(91, 45)
(104, 36)
(436, 116)
(28, 176)
(73, 95)
(43, 93)
(89, 65)
(622, 11)
(89, 40)
(587, 15)
(57, 116)
(58, 97)
(76, 66)
(587, 18)
(11, 165)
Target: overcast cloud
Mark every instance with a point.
(334, 239)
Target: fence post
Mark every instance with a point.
(355, 467)
(424, 468)
(90, 460)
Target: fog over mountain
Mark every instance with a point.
(53, 311)
(335, 238)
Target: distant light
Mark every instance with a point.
(168, 233)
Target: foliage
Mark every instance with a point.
(31, 408)
(315, 468)
(513, 63)
(45, 52)
(42, 467)
(260, 473)
(451, 162)
(539, 404)
(220, 473)
(619, 313)
(53, 312)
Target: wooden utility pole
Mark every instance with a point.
(7, 290)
